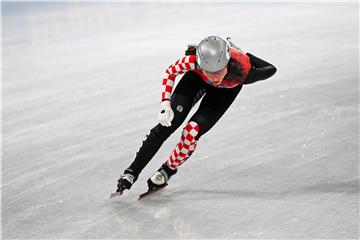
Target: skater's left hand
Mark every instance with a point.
(166, 114)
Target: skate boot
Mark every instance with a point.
(161, 177)
(127, 180)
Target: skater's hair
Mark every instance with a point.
(236, 72)
(191, 50)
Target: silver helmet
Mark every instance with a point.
(212, 54)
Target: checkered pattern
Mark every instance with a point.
(185, 147)
(179, 67)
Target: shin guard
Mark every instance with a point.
(185, 147)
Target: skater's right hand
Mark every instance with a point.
(166, 114)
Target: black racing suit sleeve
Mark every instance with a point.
(260, 70)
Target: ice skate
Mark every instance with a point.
(125, 182)
(159, 180)
(160, 177)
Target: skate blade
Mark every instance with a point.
(151, 191)
(116, 194)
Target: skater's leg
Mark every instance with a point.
(187, 92)
(185, 146)
(157, 135)
(212, 107)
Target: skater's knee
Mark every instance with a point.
(206, 118)
(190, 132)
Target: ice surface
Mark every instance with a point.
(81, 88)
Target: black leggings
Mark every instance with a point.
(190, 89)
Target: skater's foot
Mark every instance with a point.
(161, 177)
(126, 180)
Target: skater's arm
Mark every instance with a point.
(260, 70)
(179, 67)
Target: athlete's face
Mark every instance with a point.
(216, 77)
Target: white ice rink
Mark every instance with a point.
(81, 87)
